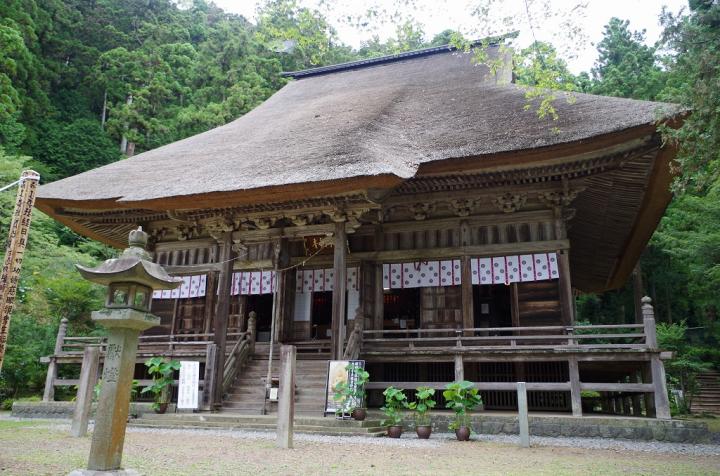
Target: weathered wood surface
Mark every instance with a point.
(523, 423)
(84, 396)
(339, 291)
(286, 397)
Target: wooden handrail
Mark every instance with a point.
(516, 338)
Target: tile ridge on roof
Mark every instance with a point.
(489, 41)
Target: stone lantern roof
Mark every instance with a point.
(133, 266)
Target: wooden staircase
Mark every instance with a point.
(247, 394)
(708, 398)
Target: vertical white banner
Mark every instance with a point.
(188, 384)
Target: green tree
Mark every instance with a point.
(626, 67)
(694, 39)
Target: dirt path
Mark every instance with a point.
(36, 448)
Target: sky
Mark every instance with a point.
(574, 30)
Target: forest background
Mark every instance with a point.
(87, 82)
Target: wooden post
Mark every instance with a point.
(519, 367)
(567, 301)
(286, 397)
(514, 305)
(467, 295)
(49, 394)
(251, 329)
(84, 398)
(638, 293)
(575, 394)
(339, 290)
(379, 298)
(221, 318)
(657, 369)
(209, 377)
(17, 240)
(459, 368)
(379, 305)
(523, 422)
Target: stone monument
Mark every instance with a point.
(131, 279)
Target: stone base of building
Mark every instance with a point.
(630, 428)
(66, 409)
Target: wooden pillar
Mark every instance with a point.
(379, 305)
(86, 387)
(567, 300)
(575, 394)
(282, 260)
(49, 393)
(515, 322)
(638, 293)
(210, 302)
(221, 317)
(379, 298)
(514, 305)
(209, 377)
(468, 316)
(339, 291)
(286, 397)
(459, 368)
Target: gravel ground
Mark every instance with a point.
(409, 440)
(32, 447)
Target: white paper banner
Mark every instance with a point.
(319, 280)
(513, 269)
(253, 282)
(191, 287)
(421, 274)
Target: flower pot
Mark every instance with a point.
(359, 414)
(423, 431)
(463, 433)
(394, 431)
(162, 408)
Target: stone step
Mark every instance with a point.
(372, 432)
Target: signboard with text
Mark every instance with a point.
(188, 384)
(337, 373)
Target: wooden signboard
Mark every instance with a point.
(17, 240)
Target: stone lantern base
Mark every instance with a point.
(117, 472)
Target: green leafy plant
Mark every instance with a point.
(349, 397)
(161, 371)
(461, 397)
(422, 405)
(395, 402)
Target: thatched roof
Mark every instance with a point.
(380, 120)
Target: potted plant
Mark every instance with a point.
(589, 399)
(422, 406)
(395, 402)
(161, 371)
(461, 397)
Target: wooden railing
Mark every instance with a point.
(169, 345)
(239, 355)
(615, 336)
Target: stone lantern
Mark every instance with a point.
(131, 280)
